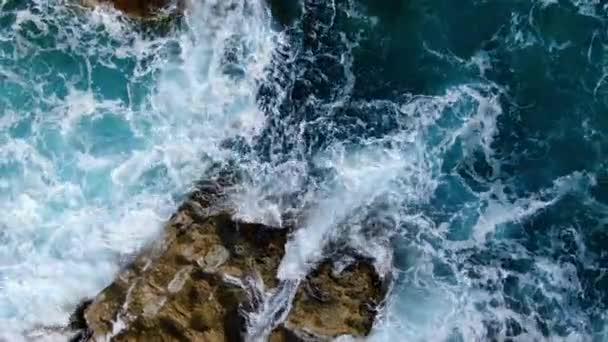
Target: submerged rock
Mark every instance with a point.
(142, 8)
(208, 271)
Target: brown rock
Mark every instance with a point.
(329, 305)
(196, 282)
(176, 290)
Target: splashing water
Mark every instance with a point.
(103, 129)
(460, 145)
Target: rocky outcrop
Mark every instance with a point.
(189, 286)
(201, 279)
(330, 303)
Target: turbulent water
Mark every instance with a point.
(462, 144)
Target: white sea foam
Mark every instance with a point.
(89, 176)
(423, 308)
(500, 210)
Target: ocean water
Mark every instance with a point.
(461, 144)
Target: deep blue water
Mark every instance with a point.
(463, 144)
(507, 234)
(498, 214)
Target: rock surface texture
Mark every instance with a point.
(187, 287)
(199, 281)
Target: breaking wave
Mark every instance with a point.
(461, 146)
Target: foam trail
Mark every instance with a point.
(500, 210)
(445, 310)
(273, 309)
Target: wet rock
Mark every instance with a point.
(145, 8)
(177, 290)
(77, 320)
(285, 12)
(216, 257)
(330, 304)
(199, 280)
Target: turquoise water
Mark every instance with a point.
(99, 141)
(462, 144)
